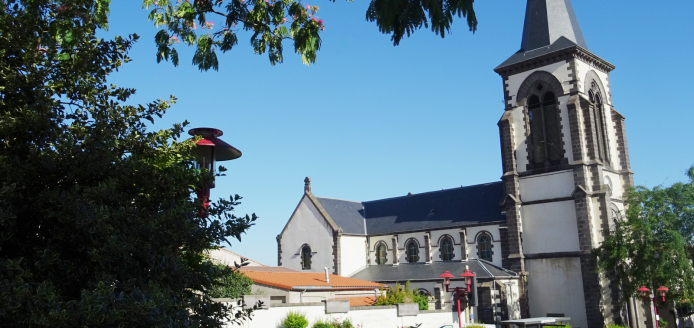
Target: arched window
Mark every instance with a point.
(484, 247)
(446, 248)
(598, 111)
(545, 133)
(306, 258)
(381, 254)
(412, 251)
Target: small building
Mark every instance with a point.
(225, 256)
(310, 287)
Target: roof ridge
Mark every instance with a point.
(241, 256)
(434, 191)
(344, 200)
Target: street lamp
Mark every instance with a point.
(468, 275)
(208, 151)
(645, 294)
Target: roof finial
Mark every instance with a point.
(307, 184)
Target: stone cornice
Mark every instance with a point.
(555, 57)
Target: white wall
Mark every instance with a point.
(307, 226)
(472, 233)
(352, 254)
(550, 227)
(617, 186)
(547, 186)
(556, 286)
(366, 317)
(559, 70)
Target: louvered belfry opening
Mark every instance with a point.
(545, 131)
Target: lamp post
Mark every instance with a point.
(207, 153)
(468, 275)
(645, 292)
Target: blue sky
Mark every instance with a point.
(370, 120)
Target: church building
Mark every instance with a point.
(528, 238)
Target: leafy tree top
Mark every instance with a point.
(270, 22)
(652, 245)
(98, 225)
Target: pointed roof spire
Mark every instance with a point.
(550, 25)
(548, 20)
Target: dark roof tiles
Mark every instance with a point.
(432, 210)
(422, 271)
(550, 25)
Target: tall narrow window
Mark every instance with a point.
(598, 111)
(545, 132)
(446, 249)
(484, 247)
(381, 254)
(412, 252)
(306, 258)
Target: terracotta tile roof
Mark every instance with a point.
(359, 301)
(287, 280)
(266, 269)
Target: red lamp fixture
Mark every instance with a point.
(208, 151)
(446, 277)
(662, 291)
(468, 275)
(644, 292)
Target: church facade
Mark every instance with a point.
(528, 237)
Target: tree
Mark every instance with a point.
(232, 284)
(652, 245)
(273, 21)
(98, 226)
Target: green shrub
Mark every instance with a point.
(229, 283)
(662, 323)
(477, 326)
(335, 323)
(402, 295)
(615, 326)
(294, 320)
(321, 324)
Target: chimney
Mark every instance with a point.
(307, 184)
(327, 275)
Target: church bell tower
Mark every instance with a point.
(565, 167)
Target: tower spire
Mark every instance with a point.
(548, 20)
(550, 26)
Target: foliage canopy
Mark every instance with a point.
(270, 22)
(97, 223)
(652, 245)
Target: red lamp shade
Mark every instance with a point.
(662, 291)
(468, 275)
(644, 291)
(447, 274)
(447, 277)
(210, 148)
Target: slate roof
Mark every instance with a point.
(423, 271)
(346, 214)
(432, 210)
(550, 25)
